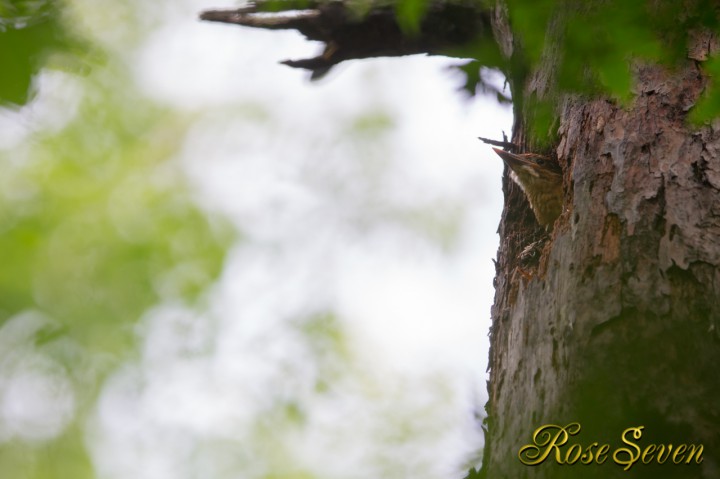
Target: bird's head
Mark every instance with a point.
(530, 167)
(540, 179)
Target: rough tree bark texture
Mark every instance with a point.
(614, 326)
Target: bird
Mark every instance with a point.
(540, 178)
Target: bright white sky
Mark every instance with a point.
(393, 231)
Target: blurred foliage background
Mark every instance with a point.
(96, 226)
(149, 329)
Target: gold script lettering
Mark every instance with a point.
(602, 453)
(679, 452)
(544, 441)
(631, 458)
(692, 448)
(647, 455)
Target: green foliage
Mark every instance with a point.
(704, 15)
(476, 83)
(595, 45)
(471, 71)
(61, 459)
(327, 347)
(282, 5)
(709, 105)
(484, 51)
(473, 473)
(372, 123)
(410, 14)
(599, 45)
(530, 20)
(30, 31)
(96, 227)
(542, 122)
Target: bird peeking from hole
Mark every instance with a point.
(540, 178)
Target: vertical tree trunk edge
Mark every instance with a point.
(615, 325)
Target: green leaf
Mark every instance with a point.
(410, 14)
(541, 119)
(530, 20)
(29, 33)
(708, 107)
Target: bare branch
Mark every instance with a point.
(349, 35)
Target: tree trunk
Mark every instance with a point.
(609, 321)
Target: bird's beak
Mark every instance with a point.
(512, 160)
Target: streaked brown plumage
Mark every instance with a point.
(541, 179)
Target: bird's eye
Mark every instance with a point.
(540, 161)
